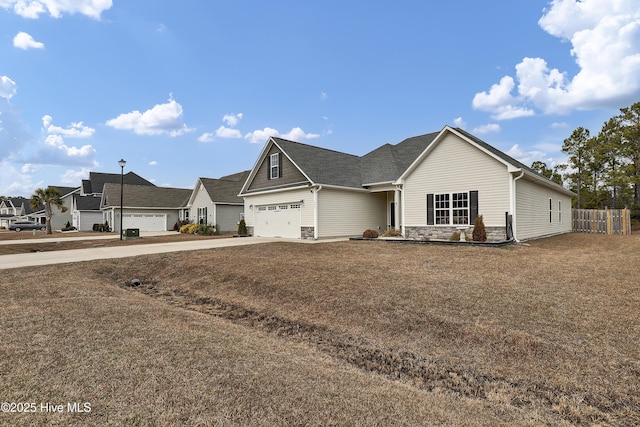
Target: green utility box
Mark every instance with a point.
(132, 233)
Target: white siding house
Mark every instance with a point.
(426, 186)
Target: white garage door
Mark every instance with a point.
(282, 220)
(145, 222)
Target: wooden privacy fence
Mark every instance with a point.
(605, 221)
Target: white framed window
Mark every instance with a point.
(559, 212)
(460, 208)
(550, 211)
(442, 208)
(274, 166)
(202, 215)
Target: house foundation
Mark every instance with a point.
(494, 234)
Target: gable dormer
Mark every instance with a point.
(275, 169)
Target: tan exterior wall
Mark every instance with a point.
(350, 213)
(454, 165)
(532, 211)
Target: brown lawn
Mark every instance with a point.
(350, 333)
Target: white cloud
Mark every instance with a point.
(261, 136)
(526, 157)
(206, 137)
(162, 119)
(56, 8)
(16, 183)
(323, 95)
(55, 150)
(231, 120)
(605, 42)
(7, 87)
(488, 128)
(500, 101)
(224, 132)
(30, 168)
(559, 125)
(295, 134)
(153, 163)
(75, 129)
(73, 177)
(458, 122)
(24, 41)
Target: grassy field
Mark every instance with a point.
(350, 333)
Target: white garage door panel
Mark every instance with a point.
(145, 222)
(278, 221)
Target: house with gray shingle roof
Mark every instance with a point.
(426, 187)
(13, 209)
(216, 202)
(85, 205)
(145, 207)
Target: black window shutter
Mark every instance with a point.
(473, 206)
(430, 216)
(268, 167)
(279, 165)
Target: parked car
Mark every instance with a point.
(27, 225)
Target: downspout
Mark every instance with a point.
(513, 207)
(316, 212)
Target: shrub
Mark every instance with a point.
(479, 232)
(189, 228)
(101, 227)
(242, 228)
(370, 234)
(68, 227)
(455, 236)
(392, 232)
(205, 229)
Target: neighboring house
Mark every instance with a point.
(427, 186)
(147, 208)
(216, 202)
(14, 209)
(85, 210)
(60, 219)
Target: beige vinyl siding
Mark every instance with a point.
(349, 213)
(201, 200)
(454, 166)
(290, 196)
(532, 211)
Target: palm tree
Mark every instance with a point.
(47, 197)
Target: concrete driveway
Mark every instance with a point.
(89, 254)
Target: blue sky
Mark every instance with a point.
(192, 89)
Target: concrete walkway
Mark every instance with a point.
(104, 252)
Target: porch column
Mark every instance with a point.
(396, 207)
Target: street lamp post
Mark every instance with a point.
(121, 162)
